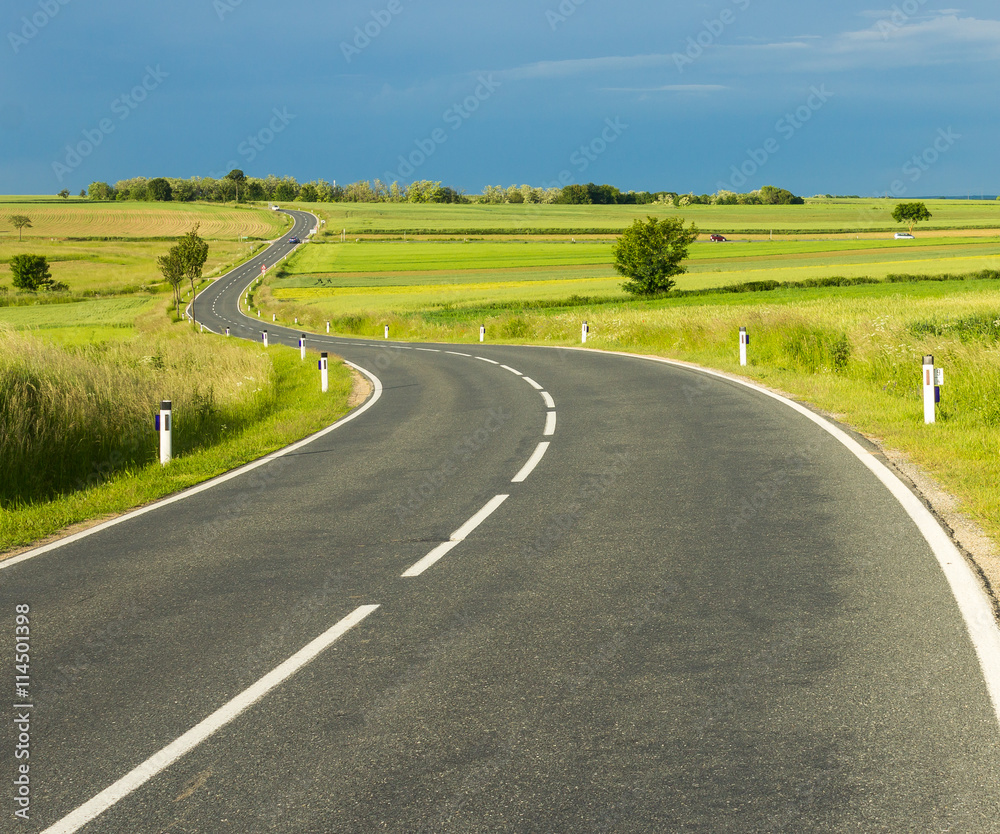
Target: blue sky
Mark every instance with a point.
(846, 98)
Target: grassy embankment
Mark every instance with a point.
(854, 351)
(80, 383)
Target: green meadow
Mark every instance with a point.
(825, 216)
(324, 280)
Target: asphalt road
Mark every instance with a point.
(696, 611)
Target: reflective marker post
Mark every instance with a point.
(324, 372)
(932, 394)
(482, 333)
(265, 338)
(302, 346)
(163, 425)
(744, 341)
(387, 331)
(583, 332)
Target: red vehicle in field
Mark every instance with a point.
(718, 238)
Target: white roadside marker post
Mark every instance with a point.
(744, 342)
(264, 335)
(584, 330)
(933, 380)
(328, 327)
(324, 372)
(163, 423)
(387, 331)
(482, 333)
(227, 331)
(302, 346)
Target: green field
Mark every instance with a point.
(111, 248)
(324, 281)
(97, 267)
(75, 218)
(847, 217)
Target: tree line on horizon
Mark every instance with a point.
(237, 187)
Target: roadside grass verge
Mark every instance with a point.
(78, 439)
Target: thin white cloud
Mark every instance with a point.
(896, 41)
(891, 42)
(668, 88)
(586, 66)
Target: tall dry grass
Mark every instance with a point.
(71, 417)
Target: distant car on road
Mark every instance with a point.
(294, 240)
(718, 238)
(904, 236)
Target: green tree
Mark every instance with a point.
(254, 190)
(910, 213)
(64, 193)
(649, 254)
(287, 190)
(160, 190)
(576, 195)
(100, 191)
(772, 196)
(30, 272)
(20, 222)
(238, 179)
(172, 267)
(193, 252)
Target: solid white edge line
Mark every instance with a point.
(975, 607)
(456, 538)
(547, 397)
(207, 485)
(532, 383)
(533, 461)
(550, 424)
(206, 728)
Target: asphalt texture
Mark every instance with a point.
(698, 612)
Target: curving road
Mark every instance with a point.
(525, 590)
